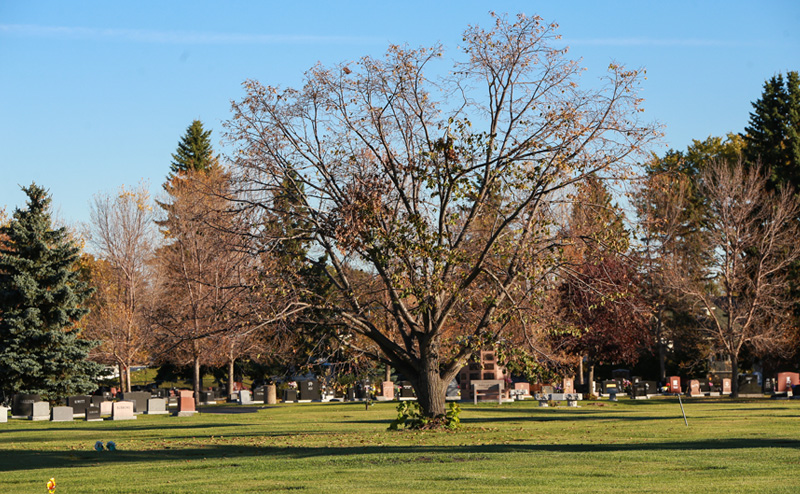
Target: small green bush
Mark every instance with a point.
(410, 416)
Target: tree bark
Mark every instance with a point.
(120, 370)
(734, 376)
(127, 378)
(231, 377)
(430, 388)
(196, 383)
(590, 384)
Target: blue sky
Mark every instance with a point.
(95, 95)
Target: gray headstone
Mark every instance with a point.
(122, 410)
(97, 399)
(245, 397)
(62, 414)
(93, 413)
(40, 411)
(156, 406)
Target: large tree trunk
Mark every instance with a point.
(581, 376)
(431, 388)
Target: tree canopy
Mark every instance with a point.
(194, 151)
(433, 201)
(41, 304)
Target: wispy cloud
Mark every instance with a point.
(176, 37)
(657, 42)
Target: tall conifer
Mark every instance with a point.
(773, 134)
(194, 151)
(41, 300)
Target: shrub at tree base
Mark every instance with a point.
(411, 416)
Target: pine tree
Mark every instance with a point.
(194, 151)
(773, 135)
(41, 301)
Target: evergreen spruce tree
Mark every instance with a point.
(41, 300)
(773, 135)
(194, 151)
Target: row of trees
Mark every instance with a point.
(384, 214)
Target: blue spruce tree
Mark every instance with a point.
(41, 300)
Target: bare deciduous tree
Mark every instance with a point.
(438, 190)
(752, 236)
(121, 232)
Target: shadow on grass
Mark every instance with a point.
(110, 426)
(33, 459)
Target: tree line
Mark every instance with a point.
(383, 216)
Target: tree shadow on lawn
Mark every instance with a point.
(111, 426)
(32, 459)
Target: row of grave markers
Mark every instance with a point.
(95, 408)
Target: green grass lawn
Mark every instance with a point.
(630, 446)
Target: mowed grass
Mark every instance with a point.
(630, 446)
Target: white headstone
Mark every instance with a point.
(3, 415)
(62, 414)
(156, 406)
(106, 407)
(41, 411)
(122, 410)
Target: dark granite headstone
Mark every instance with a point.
(609, 385)
(748, 385)
(638, 390)
(93, 413)
(406, 390)
(290, 396)
(79, 404)
(22, 405)
(258, 394)
(139, 400)
(309, 390)
(620, 374)
(97, 399)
